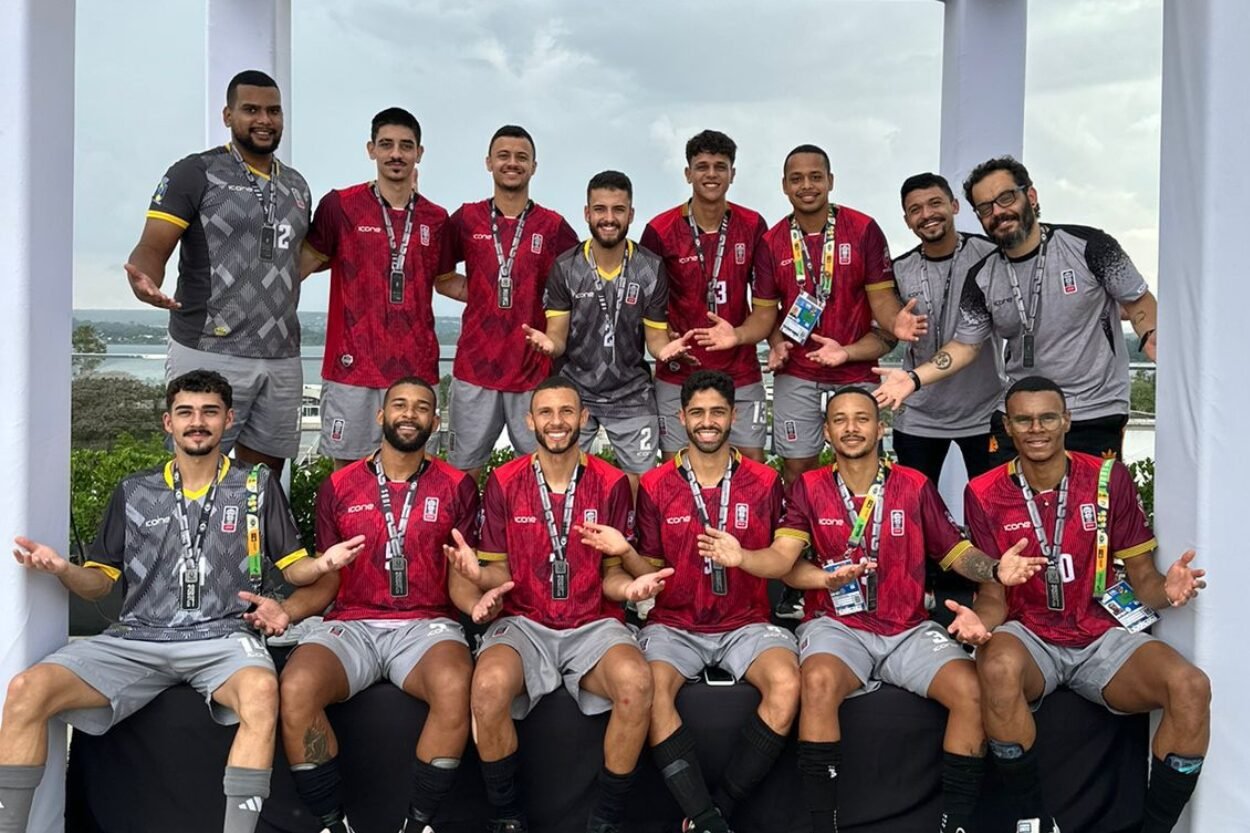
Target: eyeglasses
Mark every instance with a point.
(1004, 200)
(1047, 421)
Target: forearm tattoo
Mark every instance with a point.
(942, 360)
(977, 566)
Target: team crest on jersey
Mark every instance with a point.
(590, 516)
(1089, 520)
(160, 190)
(631, 294)
(844, 254)
(742, 515)
(740, 254)
(898, 522)
(431, 510)
(664, 420)
(425, 235)
(229, 519)
(536, 244)
(1069, 281)
(792, 430)
(336, 429)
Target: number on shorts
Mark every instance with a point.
(1066, 571)
(644, 439)
(758, 416)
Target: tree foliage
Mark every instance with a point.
(104, 408)
(85, 339)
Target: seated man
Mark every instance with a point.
(563, 617)
(393, 617)
(1061, 628)
(181, 536)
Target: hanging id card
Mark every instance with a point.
(848, 598)
(559, 579)
(268, 241)
(397, 286)
(189, 588)
(505, 292)
(1054, 588)
(802, 318)
(1027, 358)
(720, 581)
(1122, 603)
(398, 569)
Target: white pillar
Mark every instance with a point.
(1203, 402)
(246, 34)
(36, 260)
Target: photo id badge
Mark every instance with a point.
(1054, 588)
(1027, 350)
(1122, 603)
(189, 594)
(397, 286)
(848, 598)
(720, 581)
(268, 239)
(870, 591)
(505, 292)
(559, 579)
(802, 318)
(398, 569)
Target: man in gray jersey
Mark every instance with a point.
(1054, 293)
(239, 217)
(190, 540)
(604, 300)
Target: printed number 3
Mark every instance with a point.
(722, 293)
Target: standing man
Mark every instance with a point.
(830, 267)
(562, 623)
(1075, 625)
(191, 540)
(709, 246)
(606, 298)
(507, 244)
(395, 613)
(380, 241)
(1054, 294)
(871, 527)
(239, 217)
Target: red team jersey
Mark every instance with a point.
(371, 342)
(348, 505)
(915, 525)
(492, 352)
(861, 264)
(514, 529)
(668, 529)
(668, 235)
(998, 517)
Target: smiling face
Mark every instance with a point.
(396, 151)
(609, 213)
(1037, 422)
(853, 425)
(1009, 225)
(710, 175)
(255, 118)
(930, 214)
(408, 417)
(556, 417)
(707, 418)
(511, 163)
(807, 183)
(196, 422)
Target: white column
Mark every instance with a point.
(1203, 402)
(246, 34)
(36, 260)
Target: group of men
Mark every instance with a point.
(559, 540)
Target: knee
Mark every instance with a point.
(491, 693)
(450, 692)
(781, 691)
(1000, 676)
(632, 689)
(257, 698)
(964, 695)
(28, 699)
(819, 687)
(299, 696)
(1189, 692)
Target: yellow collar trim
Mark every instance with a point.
(197, 493)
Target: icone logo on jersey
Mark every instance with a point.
(688, 259)
(1018, 525)
(359, 507)
(431, 509)
(677, 519)
(1088, 519)
(480, 236)
(156, 521)
(740, 254)
(369, 229)
(524, 519)
(830, 522)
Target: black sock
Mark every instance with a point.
(502, 790)
(1172, 782)
(321, 787)
(1018, 769)
(675, 758)
(819, 764)
(613, 789)
(961, 787)
(757, 750)
(430, 785)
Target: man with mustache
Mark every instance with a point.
(507, 244)
(563, 621)
(238, 217)
(1054, 293)
(394, 614)
(605, 300)
(381, 242)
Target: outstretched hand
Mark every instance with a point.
(1183, 582)
(967, 626)
(488, 607)
(1014, 568)
(268, 616)
(908, 326)
(146, 290)
(648, 585)
(463, 558)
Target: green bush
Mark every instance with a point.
(1143, 472)
(306, 479)
(95, 473)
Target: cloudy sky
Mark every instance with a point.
(621, 86)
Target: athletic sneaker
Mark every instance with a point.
(790, 605)
(413, 826)
(710, 822)
(1037, 826)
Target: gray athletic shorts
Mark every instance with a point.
(633, 439)
(750, 427)
(131, 673)
(268, 394)
(734, 651)
(349, 422)
(370, 650)
(1088, 670)
(550, 656)
(909, 660)
(477, 417)
(799, 415)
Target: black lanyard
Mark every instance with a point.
(559, 537)
(396, 562)
(803, 261)
(399, 252)
(1052, 548)
(720, 582)
(1028, 320)
(714, 278)
(613, 316)
(191, 549)
(938, 314)
(270, 205)
(874, 502)
(506, 264)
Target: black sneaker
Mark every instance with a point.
(790, 605)
(710, 822)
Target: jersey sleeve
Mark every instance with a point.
(656, 312)
(177, 198)
(943, 540)
(649, 523)
(282, 544)
(980, 529)
(1130, 534)
(494, 543)
(327, 526)
(323, 236)
(1112, 267)
(651, 241)
(617, 509)
(566, 238)
(451, 252)
(557, 297)
(107, 551)
(763, 286)
(975, 324)
(797, 521)
(878, 265)
(468, 511)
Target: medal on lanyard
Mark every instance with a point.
(713, 280)
(398, 252)
(505, 265)
(269, 227)
(720, 580)
(1051, 549)
(874, 507)
(396, 562)
(804, 314)
(558, 537)
(190, 575)
(1028, 320)
(610, 317)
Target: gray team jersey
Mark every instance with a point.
(232, 301)
(961, 405)
(139, 541)
(616, 374)
(1078, 341)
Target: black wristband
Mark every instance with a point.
(915, 378)
(994, 573)
(1141, 342)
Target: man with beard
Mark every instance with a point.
(239, 217)
(605, 299)
(191, 541)
(380, 241)
(1054, 293)
(507, 244)
(395, 613)
(562, 623)
(713, 612)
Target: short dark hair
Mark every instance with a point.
(1035, 384)
(613, 180)
(856, 390)
(250, 78)
(808, 149)
(999, 163)
(701, 380)
(199, 381)
(397, 116)
(557, 383)
(511, 131)
(919, 182)
(410, 380)
(711, 141)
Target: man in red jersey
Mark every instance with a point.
(830, 267)
(562, 623)
(394, 613)
(507, 244)
(709, 246)
(1075, 625)
(380, 241)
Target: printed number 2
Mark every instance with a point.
(1066, 571)
(284, 235)
(722, 293)
(644, 439)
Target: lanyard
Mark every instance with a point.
(938, 314)
(505, 265)
(802, 261)
(270, 205)
(1103, 537)
(399, 253)
(395, 532)
(191, 549)
(559, 536)
(714, 278)
(1028, 320)
(720, 580)
(613, 316)
(1053, 548)
(874, 505)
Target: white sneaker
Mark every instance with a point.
(1037, 826)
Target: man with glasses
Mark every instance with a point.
(1054, 293)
